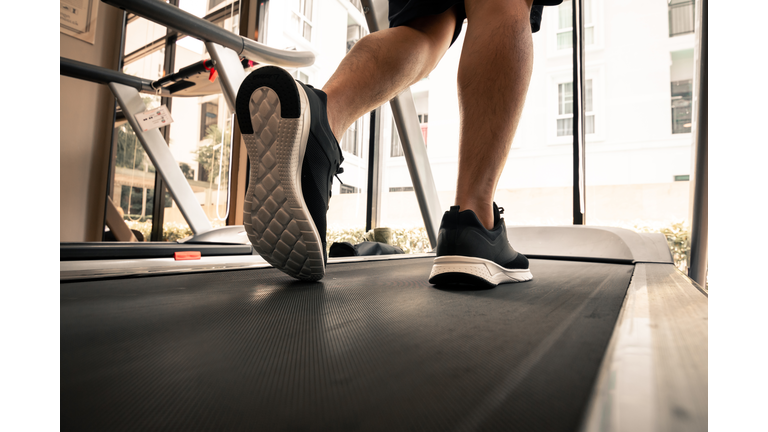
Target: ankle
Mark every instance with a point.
(483, 211)
(337, 127)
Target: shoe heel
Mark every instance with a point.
(277, 79)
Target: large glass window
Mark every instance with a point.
(565, 24)
(301, 18)
(347, 211)
(199, 138)
(681, 78)
(681, 17)
(565, 109)
(637, 169)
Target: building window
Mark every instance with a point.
(347, 189)
(565, 109)
(213, 3)
(565, 25)
(401, 189)
(301, 76)
(301, 18)
(354, 33)
(397, 146)
(209, 116)
(681, 17)
(682, 98)
(351, 142)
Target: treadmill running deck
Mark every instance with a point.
(371, 347)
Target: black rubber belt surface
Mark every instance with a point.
(371, 347)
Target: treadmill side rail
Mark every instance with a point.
(654, 373)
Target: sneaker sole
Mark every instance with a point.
(273, 114)
(455, 269)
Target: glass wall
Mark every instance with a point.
(638, 97)
(201, 134)
(535, 186)
(199, 137)
(638, 87)
(638, 154)
(347, 211)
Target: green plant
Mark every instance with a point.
(677, 234)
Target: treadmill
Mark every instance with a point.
(609, 335)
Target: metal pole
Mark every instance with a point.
(373, 204)
(409, 130)
(113, 139)
(158, 200)
(231, 73)
(579, 184)
(415, 152)
(697, 267)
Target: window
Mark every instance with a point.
(354, 33)
(301, 18)
(351, 142)
(681, 17)
(301, 76)
(565, 25)
(209, 116)
(347, 189)
(213, 3)
(565, 109)
(136, 203)
(397, 146)
(682, 97)
(401, 189)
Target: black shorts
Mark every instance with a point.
(403, 11)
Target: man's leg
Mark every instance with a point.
(494, 72)
(383, 64)
(294, 151)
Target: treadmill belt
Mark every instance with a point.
(373, 346)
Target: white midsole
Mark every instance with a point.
(479, 267)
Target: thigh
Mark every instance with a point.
(407, 12)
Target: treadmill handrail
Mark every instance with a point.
(100, 75)
(184, 22)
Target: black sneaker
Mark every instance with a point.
(294, 157)
(468, 253)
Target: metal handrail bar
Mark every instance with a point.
(184, 22)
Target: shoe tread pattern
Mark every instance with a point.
(274, 211)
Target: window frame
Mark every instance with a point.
(167, 45)
(303, 19)
(589, 24)
(594, 74)
(679, 4)
(204, 115)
